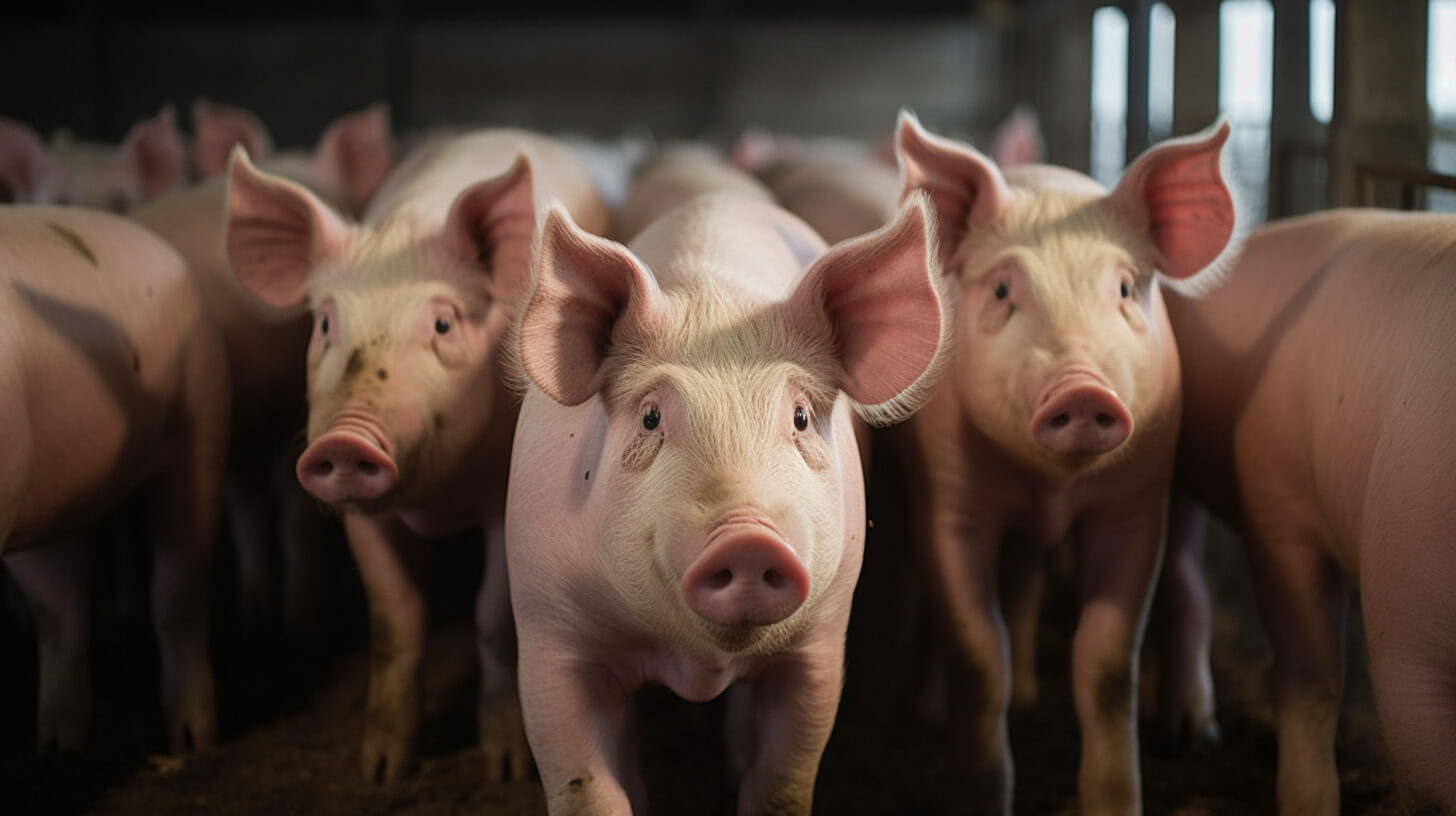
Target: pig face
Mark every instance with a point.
(402, 363)
(729, 462)
(150, 162)
(1062, 340)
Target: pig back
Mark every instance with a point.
(100, 313)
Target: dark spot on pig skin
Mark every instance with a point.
(150, 292)
(355, 364)
(1340, 400)
(588, 475)
(382, 374)
(439, 423)
(136, 363)
(74, 241)
(575, 784)
(1114, 695)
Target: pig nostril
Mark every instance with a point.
(1105, 421)
(774, 579)
(368, 468)
(720, 579)
(1061, 420)
(324, 468)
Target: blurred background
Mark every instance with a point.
(1319, 92)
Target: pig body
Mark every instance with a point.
(266, 352)
(1318, 382)
(113, 382)
(686, 503)
(409, 428)
(151, 161)
(1057, 419)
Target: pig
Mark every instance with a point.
(409, 426)
(352, 157)
(150, 161)
(674, 173)
(1317, 381)
(844, 188)
(686, 503)
(112, 384)
(1057, 418)
(267, 352)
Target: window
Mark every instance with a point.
(1109, 93)
(1161, 31)
(1245, 90)
(1441, 95)
(1322, 60)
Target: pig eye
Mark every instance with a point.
(651, 418)
(1126, 290)
(324, 325)
(442, 325)
(1002, 291)
(801, 418)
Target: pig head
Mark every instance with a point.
(149, 162)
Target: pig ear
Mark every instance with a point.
(966, 190)
(1018, 141)
(24, 161)
(490, 226)
(276, 232)
(154, 154)
(360, 147)
(880, 295)
(218, 128)
(588, 290)
(1176, 191)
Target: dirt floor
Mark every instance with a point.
(291, 720)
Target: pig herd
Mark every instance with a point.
(650, 377)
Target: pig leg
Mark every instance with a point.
(183, 505)
(250, 523)
(794, 703)
(303, 530)
(1302, 598)
(1118, 561)
(1023, 582)
(963, 572)
(55, 580)
(1182, 620)
(576, 715)
(498, 710)
(392, 564)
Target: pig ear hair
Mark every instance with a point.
(881, 295)
(217, 128)
(1176, 191)
(153, 148)
(275, 232)
(966, 189)
(361, 146)
(587, 290)
(23, 159)
(1019, 141)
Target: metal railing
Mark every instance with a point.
(1409, 178)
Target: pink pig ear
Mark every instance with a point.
(880, 295)
(1176, 191)
(966, 190)
(360, 148)
(491, 225)
(24, 162)
(218, 128)
(276, 232)
(1018, 141)
(588, 289)
(154, 155)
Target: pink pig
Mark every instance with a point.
(409, 426)
(151, 161)
(1319, 382)
(267, 351)
(111, 381)
(1058, 417)
(686, 502)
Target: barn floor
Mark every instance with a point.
(290, 733)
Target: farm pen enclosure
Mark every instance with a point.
(291, 709)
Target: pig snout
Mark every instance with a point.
(746, 575)
(1080, 415)
(348, 462)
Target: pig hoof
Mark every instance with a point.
(385, 765)
(503, 742)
